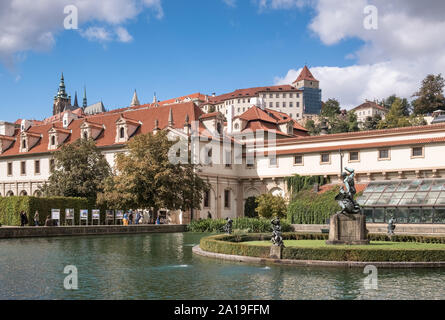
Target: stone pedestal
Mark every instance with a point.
(348, 229)
(275, 252)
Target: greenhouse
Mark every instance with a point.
(408, 201)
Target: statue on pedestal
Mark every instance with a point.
(348, 226)
(277, 239)
(228, 226)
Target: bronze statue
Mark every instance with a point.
(391, 226)
(228, 226)
(277, 239)
(345, 198)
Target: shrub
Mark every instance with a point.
(10, 208)
(233, 244)
(269, 206)
(249, 224)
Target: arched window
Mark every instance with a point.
(37, 193)
(53, 140)
(10, 194)
(24, 143)
(218, 127)
(122, 133)
(85, 135)
(23, 193)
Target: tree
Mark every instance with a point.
(331, 108)
(212, 109)
(312, 128)
(80, 170)
(345, 122)
(371, 123)
(430, 95)
(406, 106)
(147, 179)
(271, 206)
(395, 118)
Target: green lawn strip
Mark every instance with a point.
(383, 245)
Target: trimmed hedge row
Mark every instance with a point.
(251, 225)
(10, 208)
(232, 244)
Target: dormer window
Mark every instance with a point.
(85, 135)
(53, 140)
(126, 128)
(23, 143)
(122, 133)
(57, 136)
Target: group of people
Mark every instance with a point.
(24, 218)
(132, 218)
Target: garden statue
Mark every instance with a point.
(348, 226)
(391, 226)
(345, 198)
(277, 239)
(228, 226)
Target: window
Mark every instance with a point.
(271, 95)
(23, 168)
(298, 104)
(122, 133)
(239, 100)
(226, 198)
(51, 165)
(291, 104)
(9, 168)
(298, 95)
(277, 95)
(384, 154)
(273, 161)
(277, 104)
(284, 104)
(325, 158)
(270, 104)
(24, 144)
(298, 159)
(37, 167)
(353, 156)
(207, 199)
(228, 159)
(85, 135)
(53, 140)
(417, 152)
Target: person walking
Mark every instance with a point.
(36, 218)
(138, 217)
(131, 217)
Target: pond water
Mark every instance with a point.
(162, 266)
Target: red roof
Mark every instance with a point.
(251, 92)
(305, 74)
(370, 104)
(107, 138)
(195, 96)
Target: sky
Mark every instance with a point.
(178, 47)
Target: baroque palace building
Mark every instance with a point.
(243, 154)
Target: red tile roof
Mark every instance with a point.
(305, 74)
(108, 119)
(370, 104)
(252, 92)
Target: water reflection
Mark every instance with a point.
(162, 266)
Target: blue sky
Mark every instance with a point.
(176, 48)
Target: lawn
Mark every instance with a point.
(373, 245)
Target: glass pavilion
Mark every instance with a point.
(408, 201)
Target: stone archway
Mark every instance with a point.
(277, 192)
(23, 193)
(10, 193)
(37, 193)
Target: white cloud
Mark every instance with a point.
(33, 25)
(407, 45)
(123, 35)
(230, 3)
(280, 4)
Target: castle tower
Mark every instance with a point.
(62, 101)
(84, 103)
(310, 86)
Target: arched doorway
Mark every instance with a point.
(10, 193)
(23, 193)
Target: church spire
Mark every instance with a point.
(84, 103)
(135, 100)
(61, 93)
(155, 100)
(76, 104)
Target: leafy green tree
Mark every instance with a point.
(331, 108)
(80, 170)
(212, 108)
(147, 179)
(395, 118)
(271, 206)
(430, 95)
(345, 122)
(312, 127)
(249, 207)
(406, 106)
(371, 123)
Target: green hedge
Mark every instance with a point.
(249, 224)
(10, 208)
(309, 207)
(232, 244)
